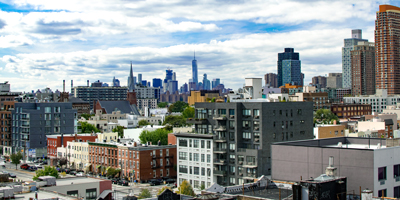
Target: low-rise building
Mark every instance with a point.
(202, 96)
(379, 101)
(328, 131)
(348, 110)
(366, 162)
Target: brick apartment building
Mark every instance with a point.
(344, 110)
(143, 162)
(5, 126)
(54, 141)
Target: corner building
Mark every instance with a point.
(244, 131)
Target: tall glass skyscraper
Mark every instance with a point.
(289, 54)
(194, 70)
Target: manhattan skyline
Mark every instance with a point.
(43, 43)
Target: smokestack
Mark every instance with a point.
(88, 83)
(331, 170)
(63, 85)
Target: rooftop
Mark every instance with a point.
(359, 143)
(194, 135)
(77, 180)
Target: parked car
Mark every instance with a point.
(72, 172)
(123, 182)
(38, 165)
(36, 161)
(32, 168)
(80, 174)
(170, 181)
(12, 175)
(115, 180)
(58, 169)
(154, 182)
(24, 166)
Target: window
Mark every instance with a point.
(196, 143)
(202, 158)
(183, 142)
(208, 144)
(190, 156)
(396, 192)
(221, 111)
(396, 171)
(231, 112)
(203, 171)
(246, 112)
(208, 158)
(154, 173)
(73, 193)
(47, 109)
(256, 113)
(91, 193)
(246, 123)
(196, 170)
(57, 109)
(183, 169)
(202, 144)
(232, 147)
(190, 143)
(196, 157)
(182, 156)
(246, 135)
(381, 173)
(299, 111)
(382, 193)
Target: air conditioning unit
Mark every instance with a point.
(382, 182)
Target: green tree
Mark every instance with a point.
(213, 99)
(120, 130)
(185, 188)
(88, 128)
(188, 112)
(161, 190)
(63, 161)
(86, 116)
(47, 171)
(202, 187)
(325, 116)
(162, 104)
(155, 136)
(144, 193)
(178, 106)
(16, 158)
(143, 122)
(175, 120)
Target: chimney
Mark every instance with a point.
(135, 144)
(76, 137)
(88, 83)
(331, 170)
(366, 194)
(63, 85)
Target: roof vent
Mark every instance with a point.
(340, 144)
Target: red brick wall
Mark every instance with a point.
(171, 139)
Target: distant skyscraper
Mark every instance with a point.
(167, 80)
(131, 83)
(174, 76)
(291, 57)
(271, 79)
(116, 82)
(194, 70)
(291, 70)
(157, 82)
(206, 83)
(356, 36)
(172, 86)
(387, 46)
(363, 69)
(192, 86)
(139, 78)
(319, 81)
(144, 82)
(334, 80)
(215, 82)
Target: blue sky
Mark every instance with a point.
(44, 42)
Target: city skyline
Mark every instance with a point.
(42, 44)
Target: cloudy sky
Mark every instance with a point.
(43, 42)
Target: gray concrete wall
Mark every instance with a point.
(289, 163)
(81, 187)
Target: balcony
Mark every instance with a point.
(250, 165)
(220, 162)
(219, 173)
(256, 128)
(196, 121)
(256, 139)
(219, 117)
(220, 128)
(232, 161)
(219, 150)
(250, 176)
(220, 139)
(169, 165)
(169, 156)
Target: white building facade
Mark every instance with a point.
(195, 159)
(378, 102)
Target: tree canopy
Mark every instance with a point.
(188, 112)
(159, 191)
(143, 122)
(162, 104)
(155, 136)
(86, 116)
(325, 116)
(16, 158)
(120, 130)
(178, 106)
(185, 188)
(88, 128)
(144, 193)
(47, 171)
(175, 120)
